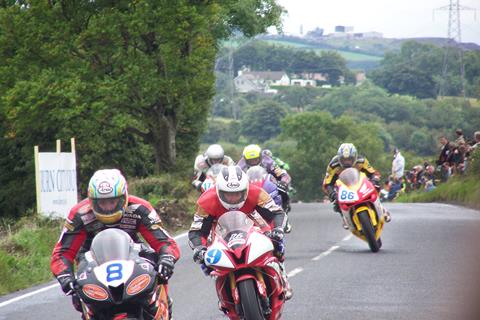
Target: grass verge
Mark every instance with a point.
(459, 190)
(26, 246)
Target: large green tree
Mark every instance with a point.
(131, 80)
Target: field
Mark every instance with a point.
(348, 55)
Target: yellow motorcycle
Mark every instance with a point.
(360, 205)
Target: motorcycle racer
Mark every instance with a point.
(252, 155)
(109, 206)
(233, 191)
(347, 157)
(213, 155)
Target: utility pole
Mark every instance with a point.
(454, 39)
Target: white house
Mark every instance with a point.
(259, 81)
(303, 82)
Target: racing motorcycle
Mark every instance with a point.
(114, 282)
(259, 176)
(360, 205)
(248, 276)
(211, 177)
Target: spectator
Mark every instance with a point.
(429, 178)
(442, 161)
(418, 173)
(444, 150)
(460, 138)
(398, 167)
(476, 136)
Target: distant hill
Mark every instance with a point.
(361, 53)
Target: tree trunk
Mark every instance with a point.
(164, 144)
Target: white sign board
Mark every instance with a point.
(56, 178)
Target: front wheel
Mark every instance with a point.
(369, 231)
(249, 300)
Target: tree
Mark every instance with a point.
(132, 81)
(261, 122)
(149, 64)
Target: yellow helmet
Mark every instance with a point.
(252, 154)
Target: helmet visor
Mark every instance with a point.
(215, 161)
(347, 162)
(253, 162)
(233, 197)
(108, 206)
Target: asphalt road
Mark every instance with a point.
(428, 268)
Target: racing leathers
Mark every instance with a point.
(81, 226)
(281, 175)
(209, 209)
(259, 206)
(201, 167)
(333, 171)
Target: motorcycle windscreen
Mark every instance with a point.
(214, 170)
(233, 226)
(256, 173)
(350, 176)
(111, 244)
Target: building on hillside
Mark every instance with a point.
(317, 76)
(259, 81)
(303, 82)
(360, 77)
(343, 29)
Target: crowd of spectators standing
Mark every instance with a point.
(454, 159)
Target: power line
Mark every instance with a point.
(453, 41)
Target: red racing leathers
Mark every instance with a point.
(209, 209)
(81, 226)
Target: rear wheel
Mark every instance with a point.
(249, 300)
(369, 231)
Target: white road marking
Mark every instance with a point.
(294, 272)
(5, 303)
(325, 253)
(347, 237)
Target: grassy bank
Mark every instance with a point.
(461, 190)
(26, 245)
(25, 253)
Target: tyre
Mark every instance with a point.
(369, 231)
(249, 300)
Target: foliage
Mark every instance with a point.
(221, 129)
(261, 121)
(317, 136)
(261, 56)
(458, 190)
(27, 251)
(417, 70)
(132, 81)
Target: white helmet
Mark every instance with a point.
(232, 187)
(214, 154)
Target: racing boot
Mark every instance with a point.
(288, 288)
(386, 215)
(344, 222)
(170, 307)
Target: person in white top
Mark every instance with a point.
(398, 168)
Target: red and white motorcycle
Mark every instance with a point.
(248, 276)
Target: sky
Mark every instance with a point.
(393, 18)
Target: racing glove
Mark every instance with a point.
(199, 254)
(333, 196)
(166, 263)
(376, 183)
(282, 186)
(277, 236)
(67, 282)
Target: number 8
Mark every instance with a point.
(114, 272)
